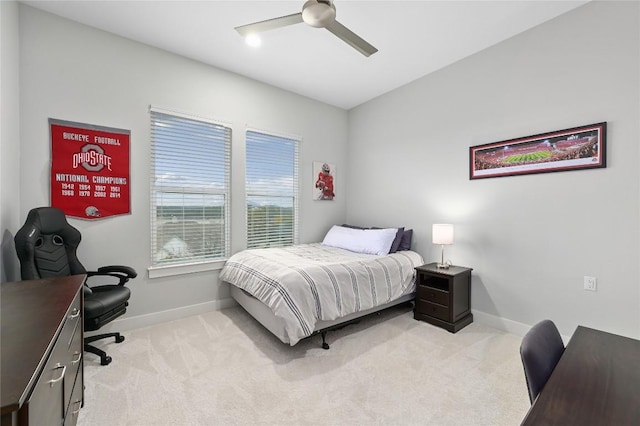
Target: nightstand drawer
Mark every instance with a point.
(433, 295)
(432, 309)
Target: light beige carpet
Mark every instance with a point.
(223, 368)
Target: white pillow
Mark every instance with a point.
(368, 241)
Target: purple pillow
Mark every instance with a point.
(352, 226)
(395, 245)
(405, 243)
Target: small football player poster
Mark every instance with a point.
(324, 180)
(89, 170)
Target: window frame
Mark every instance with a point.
(295, 178)
(198, 264)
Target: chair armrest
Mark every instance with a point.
(122, 273)
(129, 271)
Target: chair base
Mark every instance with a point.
(104, 358)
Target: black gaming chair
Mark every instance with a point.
(46, 246)
(540, 350)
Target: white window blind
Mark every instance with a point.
(272, 190)
(190, 160)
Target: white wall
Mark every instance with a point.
(530, 239)
(9, 139)
(73, 72)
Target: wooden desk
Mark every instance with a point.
(41, 351)
(596, 382)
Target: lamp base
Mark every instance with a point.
(442, 265)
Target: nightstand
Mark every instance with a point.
(443, 296)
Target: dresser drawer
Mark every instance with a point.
(434, 295)
(46, 403)
(71, 417)
(52, 393)
(432, 309)
(74, 363)
(72, 323)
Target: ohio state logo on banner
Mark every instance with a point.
(89, 170)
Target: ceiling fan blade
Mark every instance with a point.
(269, 24)
(351, 38)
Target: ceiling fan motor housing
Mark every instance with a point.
(318, 13)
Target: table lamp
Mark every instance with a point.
(442, 234)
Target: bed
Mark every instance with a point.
(302, 290)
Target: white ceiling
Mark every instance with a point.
(414, 38)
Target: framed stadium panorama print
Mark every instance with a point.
(576, 148)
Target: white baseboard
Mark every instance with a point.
(130, 323)
(139, 321)
(499, 323)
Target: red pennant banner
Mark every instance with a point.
(89, 170)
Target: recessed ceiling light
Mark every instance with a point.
(253, 40)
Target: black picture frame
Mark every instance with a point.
(576, 148)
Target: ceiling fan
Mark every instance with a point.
(318, 14)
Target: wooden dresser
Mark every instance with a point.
(41, 351)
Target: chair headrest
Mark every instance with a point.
(48, 220)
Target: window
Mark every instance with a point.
(190, 160)
(272, 190)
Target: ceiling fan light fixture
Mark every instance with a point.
(318, 13)
(253, 40)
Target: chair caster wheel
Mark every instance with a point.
(105, 361)
(119, 339)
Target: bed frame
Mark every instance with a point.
(265, 316)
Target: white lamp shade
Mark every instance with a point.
(442, 233)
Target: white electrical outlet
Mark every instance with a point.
(590, 283)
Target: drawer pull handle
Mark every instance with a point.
(75, 313)
(79, 354)
(64, 369)
(74, 412)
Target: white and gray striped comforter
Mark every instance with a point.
(309, 282)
